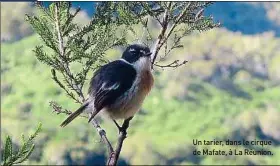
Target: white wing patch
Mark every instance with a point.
(113, 87)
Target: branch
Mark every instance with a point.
(57, 26)
(164, 34)
(102, 134)
(184, 12)
(159, 42)
(161, 39)
(114, 157)
(72, 82)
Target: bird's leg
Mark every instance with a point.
(125, 125)
(118, 126)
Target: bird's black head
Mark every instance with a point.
(134, 52)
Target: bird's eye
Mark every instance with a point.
(142, 52)
(132, 50)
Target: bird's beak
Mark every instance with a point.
(148, 54)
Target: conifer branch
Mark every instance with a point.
(190, 14)
(160, 38)
(11, 157)
(178, 19)
(71, 81)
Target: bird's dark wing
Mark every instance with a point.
(110, 82)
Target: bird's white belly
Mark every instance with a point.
(128, 108)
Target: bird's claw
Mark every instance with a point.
(118, 126)
(121, 129)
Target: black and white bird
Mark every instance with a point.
(119, 88)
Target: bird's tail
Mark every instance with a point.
(74, 114)
(93, 115)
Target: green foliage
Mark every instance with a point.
(73, 45)
(10, 158)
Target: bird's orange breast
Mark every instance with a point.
(147, 81)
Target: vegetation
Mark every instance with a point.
(229, 89)
(11, 158)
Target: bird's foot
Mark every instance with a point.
(122, 129)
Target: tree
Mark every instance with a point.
(86, 46)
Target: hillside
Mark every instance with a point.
(245, 17)
(228, 90)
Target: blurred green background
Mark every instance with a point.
(229, 89)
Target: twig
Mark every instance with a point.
(58, 109)
(70, 94)
(151, 12)
(174, 64)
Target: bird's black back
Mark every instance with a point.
(117, 74)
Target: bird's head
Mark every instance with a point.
(138, 55)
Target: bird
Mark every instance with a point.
(120, 87)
